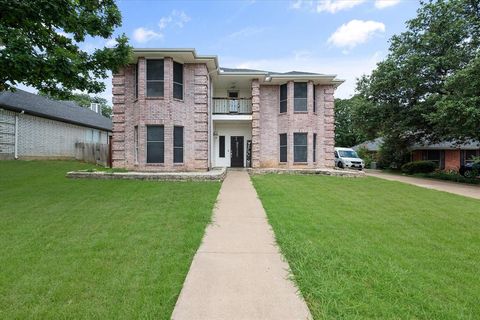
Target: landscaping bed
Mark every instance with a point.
(103, 249)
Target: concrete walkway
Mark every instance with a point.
(472, 191)
(238, 272)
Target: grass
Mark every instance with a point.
(95, 249)
(370, 248)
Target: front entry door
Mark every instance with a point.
(236, 151)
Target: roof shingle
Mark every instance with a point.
(65, 111)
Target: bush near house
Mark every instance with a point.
(449, 176)
(419, 167)
(367, 156)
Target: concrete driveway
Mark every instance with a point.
(467, 190)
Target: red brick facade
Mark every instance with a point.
(193, 113)
(452, 158)
(190, 113)
(272, 123)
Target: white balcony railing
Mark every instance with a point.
(232, 106)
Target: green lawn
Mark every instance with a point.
(95, 249)
(371, 248)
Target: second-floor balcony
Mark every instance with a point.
(232, 106)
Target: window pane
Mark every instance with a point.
(470, 154)
(155, 152)
(283, 147)
(283, 154)
(300, 104)
(178, 136)
(314, 99)
(300, 90)
(136, 81)
(300, 154)
(154, 69)
(300, 139)
(177, 72)
(155, 89)
(433, 155)
(178, 91)
(178, 155)
(283, 92)
(283, 106)
(283, 139)
(222, 147)
(155, 133)
(300, 147)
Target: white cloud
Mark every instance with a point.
(355, 32)
(111, 43)
(333, 6)
(347, 68)
(296, 4)
(143, 35)
(381, 4)
(176, 18)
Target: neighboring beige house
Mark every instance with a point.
(174, 110)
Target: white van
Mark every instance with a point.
(348, 158)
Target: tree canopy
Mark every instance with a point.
(348, 123)
(428, 87)
(40, 44)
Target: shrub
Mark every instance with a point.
(419, 167)
(366, 156)
(450, 176)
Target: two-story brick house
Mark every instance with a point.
(175, 110)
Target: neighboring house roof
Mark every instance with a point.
(374, 145)
(64, 111)
(446, 145)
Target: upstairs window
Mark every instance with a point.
(178, 80)
(314, 100)
(155, 144)
(300, 97)
(177, 144)
(283, 98)
(155, 76)
(135, 74)
(283, 147)
(300, 147)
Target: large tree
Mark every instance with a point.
(40, 44)
(427, 88)
(348, 122)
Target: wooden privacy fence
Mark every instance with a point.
(97, 153)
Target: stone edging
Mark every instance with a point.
(325, 172)
(214, 175)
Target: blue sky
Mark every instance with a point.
(343, 37)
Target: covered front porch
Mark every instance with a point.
(232, 143)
